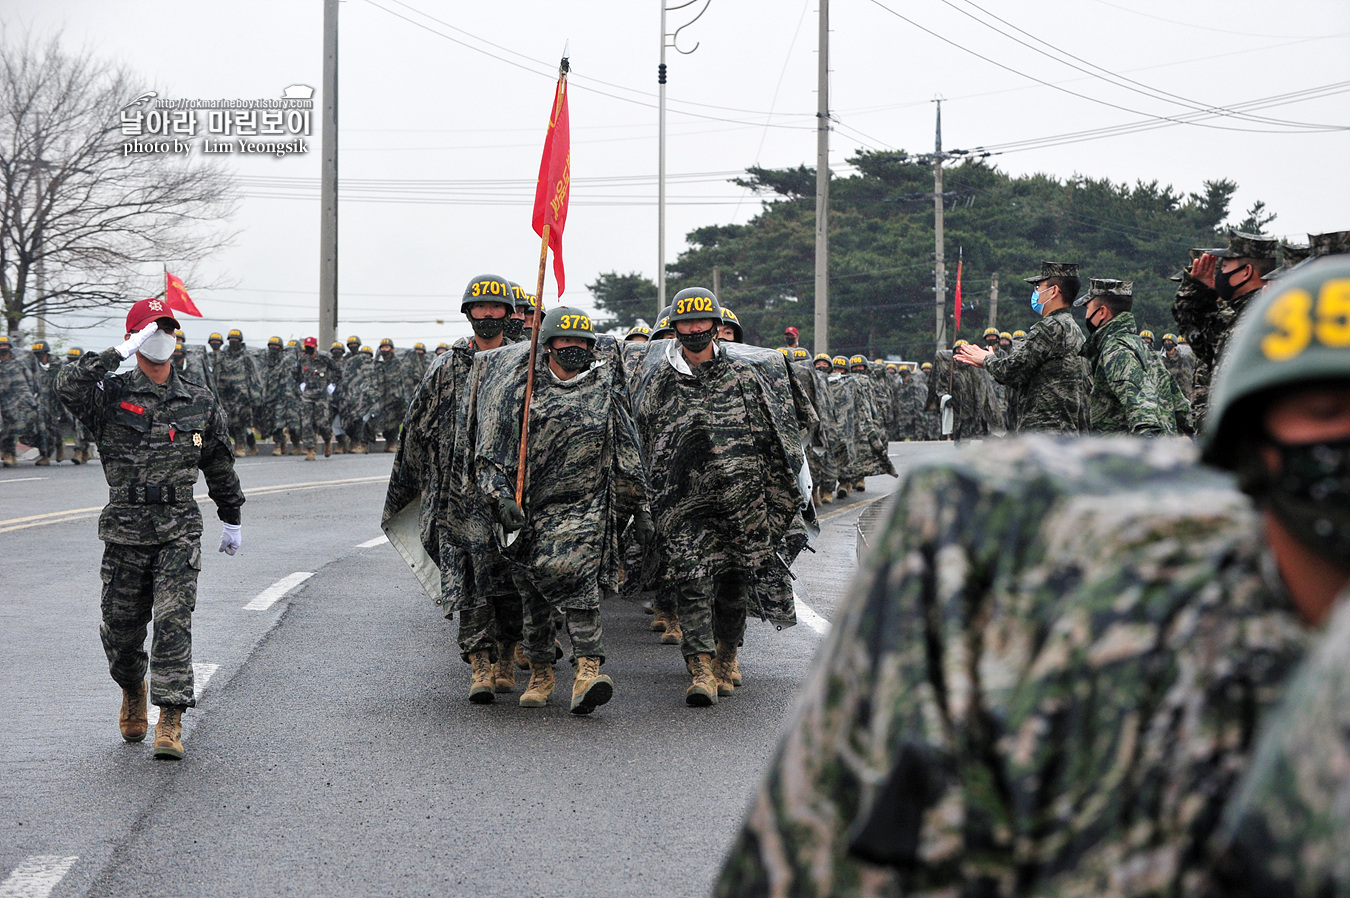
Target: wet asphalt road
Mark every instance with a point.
(333, 751)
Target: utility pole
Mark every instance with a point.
(661, 174)
(717, 281)
(822, 323)
(993, 300)
(939, 242)
(328, 181)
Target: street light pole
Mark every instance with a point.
(668, 39)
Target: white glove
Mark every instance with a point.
(231, 538)
(302, 388)
(128, 349)
(331, 388)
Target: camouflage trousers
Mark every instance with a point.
(542, 619)
(316, 422)
(712, 610)
(499, 619)
(145, 583)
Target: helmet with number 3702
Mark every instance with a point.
(694, 303)
(1296, 332)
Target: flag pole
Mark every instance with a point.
(538, 319)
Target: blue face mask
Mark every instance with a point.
(1036, 305)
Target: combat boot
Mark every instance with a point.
(309, 455)
(359, 449)
(659, 621)
(590, 688)
(504, 678)
(674, 633)
(390, 447)
(522, 661)
(702, 690)
(842, 492)
(169, 733)
(340, 445)
(279, 445)
(239, 451)
(80, 456)
(7, 459)
(327, 447)
(860, 486)
(43, 461)
(482, 682)
(541, 686)
(60, 450)
(724, 666)
(134, 719)
(252, 448)
(826, 497)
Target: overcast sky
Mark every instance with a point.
(444, 107)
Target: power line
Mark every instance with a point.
(1198, 121)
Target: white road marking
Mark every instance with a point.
(201, 675)
(21, 479)
(268, 597)
(807, 615)
(36, 876)
(372, 543)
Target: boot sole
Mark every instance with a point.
(482, 695)
(670, 639)
(724, 691)
(134, 738)
(164, 753)
(697, 698)
(595, 695)
(533, 702)
(503, 687)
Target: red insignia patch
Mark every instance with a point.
(133, 407)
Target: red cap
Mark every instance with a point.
(312, 341)
(146, 311)
(790, 330)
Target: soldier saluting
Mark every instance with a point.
(155, 429)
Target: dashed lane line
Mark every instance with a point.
(201, 675)
(78, 514)
(807, 615)
(269, 596)
(37, 876)
(21, 479)
(372, 543)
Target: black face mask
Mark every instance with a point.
(309, 350)
(1223, 283)
(573, 358)
(487, 328)
(514, 329)
(1091, 328)
(1311, 496)
(696, 343)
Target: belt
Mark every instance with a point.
(149, 494)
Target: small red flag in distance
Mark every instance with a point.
(175, 294)
(958, 297)
(555, 181)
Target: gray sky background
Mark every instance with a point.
(441, 142)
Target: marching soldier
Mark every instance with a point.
(585, 480)
(1178, 364)
(79, 433)
(638, 334)
(154, 430)
(239, 386)
(18, 403)
(390, 382)
(433, 467)
(725, 457)
(283, 396)
(318, 376)
(729, 330)
(50, 411)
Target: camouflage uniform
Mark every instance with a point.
(239, 386)
(314, 373)
(1131, 392)
(819, 445)
(974, 409)
(1287, 830)
(283, 395)
(861, 448)
(584, 481)
(1182, 368)
(18, 404)
(153, 439)
(1046, 682)
(50, 410)
(198, 368)
(1046, 377)
(389, 380)
(415, 366)
(724, 454)
(358, 403)
(433, 468)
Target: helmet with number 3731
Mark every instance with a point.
(564, 322)
(1297, 331)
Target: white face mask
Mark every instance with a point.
(159, 347)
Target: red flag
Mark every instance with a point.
(958, 295)
(175, 294)
(555, 181)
